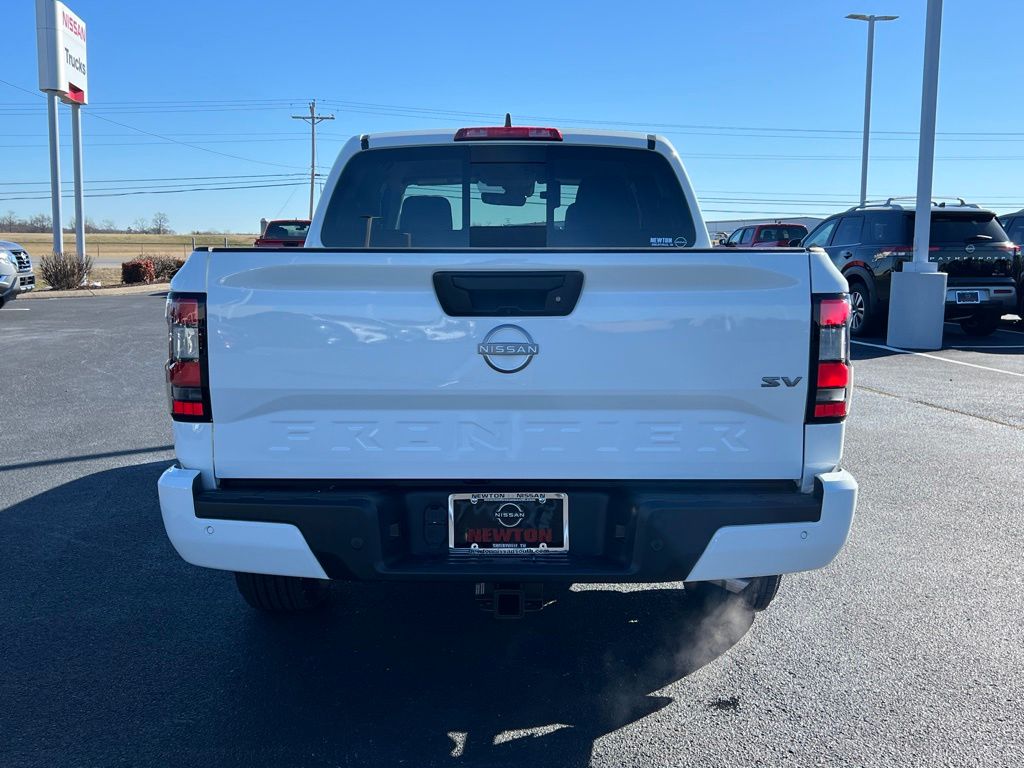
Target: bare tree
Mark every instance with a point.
(40, 223)
(139, 225)
(161, 223)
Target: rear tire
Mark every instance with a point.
(282, 594)
(981, 325)
(760, 592)
(864, 319)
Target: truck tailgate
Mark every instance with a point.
(334, 365)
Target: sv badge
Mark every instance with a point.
(778, 381)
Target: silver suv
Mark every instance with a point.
(15, 271)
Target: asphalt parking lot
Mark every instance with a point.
(907, 650)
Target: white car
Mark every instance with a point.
(507, 357)
(16, 274)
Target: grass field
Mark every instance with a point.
(108, 251)
(116, 248)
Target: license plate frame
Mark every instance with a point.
(965, 297)
(526, 507)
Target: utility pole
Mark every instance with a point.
(312, 118)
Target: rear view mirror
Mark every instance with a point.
(506, 189)
(721, 241)
(503, 198)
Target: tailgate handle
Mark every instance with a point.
(508, 294)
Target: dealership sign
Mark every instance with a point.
(62, 59)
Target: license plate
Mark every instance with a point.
(508, 523)
(968, 297)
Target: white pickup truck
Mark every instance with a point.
(509, 357)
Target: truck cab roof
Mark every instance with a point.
(571, 136)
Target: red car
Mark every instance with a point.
(284, 233)
(765, 236)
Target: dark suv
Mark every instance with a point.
(868, 242)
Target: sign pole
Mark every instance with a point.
(76, 142)
(51, 119)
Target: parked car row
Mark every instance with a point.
(16, 274)
(870, 242)
(776, 235)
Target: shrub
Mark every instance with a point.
(140, 270)
(63, 271)
(166, 267)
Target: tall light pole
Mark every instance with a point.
(312, 118)
(870, 19)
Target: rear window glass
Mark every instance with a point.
(964, 228)
(1016, 230)
(509, 196)
(286, 229)
(786, 233)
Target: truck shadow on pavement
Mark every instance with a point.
(118, 651)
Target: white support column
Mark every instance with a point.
(76, 142)
(54, 129)
(917, 298)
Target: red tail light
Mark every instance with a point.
(187, 380)
(831, 379)
(508, 132)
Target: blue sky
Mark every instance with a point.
(763, 99)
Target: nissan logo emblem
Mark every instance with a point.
(510, 514)
(508, 348)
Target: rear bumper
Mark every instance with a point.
(636, 531)
(994, 294)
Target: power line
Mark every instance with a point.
(162, 191)
(158, 136)
(164, 178)
(193, 146)
(408, 110)
(153, 143)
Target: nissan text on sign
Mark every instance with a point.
(62, 46)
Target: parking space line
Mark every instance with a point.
(18, 309)
(936, 357)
